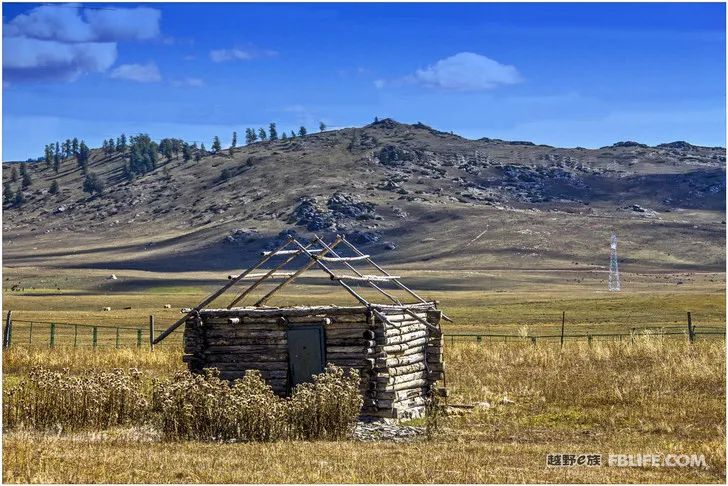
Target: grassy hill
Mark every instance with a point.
(407, 193)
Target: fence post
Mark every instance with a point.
(95, 336)
(75, 335)
(533, 341)
(479, 338)
(53, 335)
(589, 338)
(691, 329)
(30, 333)
(151, 333)
(139, 338)
(117, 338)
(8, 334)
(563, 321)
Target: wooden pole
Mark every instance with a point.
(363, 257)
(95, 336)
(396, 281)
(313, 262)
(8, 334)
(221, 291)
(53, 335)
(151, 333)
(139, 338)
(691, 330)
(75, 335)
(255, 284)
(563, 321)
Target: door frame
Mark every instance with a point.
(322, 336)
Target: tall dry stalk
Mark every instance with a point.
(91, 400)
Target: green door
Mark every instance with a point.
(305, 353)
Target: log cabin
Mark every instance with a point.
(395, 347)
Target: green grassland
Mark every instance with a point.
(475, 300)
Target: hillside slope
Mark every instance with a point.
(407, 193)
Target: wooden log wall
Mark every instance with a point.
(408, 363)
(398, 361)
(235, 343)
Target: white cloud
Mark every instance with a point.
(140, 23)
(464, 71)
(62, 42)
(239, 54)
(34, 59)
(142, 73)
(188, 82)
(50, 22)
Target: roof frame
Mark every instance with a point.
(321, 257)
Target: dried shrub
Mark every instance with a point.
(59, 400)
(205, 407)
(186, 406)
(327, 408)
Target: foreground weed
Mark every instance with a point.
(92, 400)
(186, 406)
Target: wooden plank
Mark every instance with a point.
(343, 259)
(245, 341)
(404, 360)
(313, 262)
(395, 348)
(243, 357)
(389, 340)
(288, 252)
(306, 310)
(407, 385)
(403, 378)
(236, 366)
(241, 332)
(364, 278)
(371, 284)
(404, 330)
(273, 271)
(260, 275)
(361, 350)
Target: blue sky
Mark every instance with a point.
(562, 74)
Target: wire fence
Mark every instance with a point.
(34, 332)
(668, 332)
(27, 332)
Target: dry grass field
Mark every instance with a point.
(651, 396)
(655, 395)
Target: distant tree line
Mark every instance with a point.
(140, 154)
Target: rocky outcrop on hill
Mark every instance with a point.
(340, 213)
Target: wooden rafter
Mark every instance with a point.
(294, 254)
(396, 281)
(372, 284)
(313, 262)
(218, 293)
